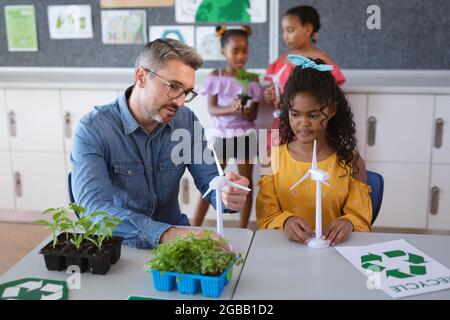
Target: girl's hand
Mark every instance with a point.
(297, 229)
(338, 231)
(270, 96)
(236, 105)
(248, 108)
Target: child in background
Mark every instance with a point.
(300, 27)
(313, 107)
(230, 119)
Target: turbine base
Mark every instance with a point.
(318, 243)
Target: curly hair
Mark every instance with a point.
(321, 85)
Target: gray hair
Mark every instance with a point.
(157, 52)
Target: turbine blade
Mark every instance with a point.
(314, 159)
(206, 193)
(278, 74)
(236, 185)
(300, 181)
(216, 159)
(277, 88)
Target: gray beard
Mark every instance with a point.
(153, 115)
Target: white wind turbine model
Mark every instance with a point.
(217, 183)
(276, 83)
(319, 176)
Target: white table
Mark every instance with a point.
(126, 277)
(277, 268)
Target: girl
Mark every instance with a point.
(230, 119)
(300, 27)
(313, 107)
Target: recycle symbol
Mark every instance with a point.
(33, 289)
(415, 264)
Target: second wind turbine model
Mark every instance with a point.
(319, 176)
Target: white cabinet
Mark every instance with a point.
(40, 180)
(400, 126)
(441, 126)
(76, 103)
(37, 118)
(405, 194)
(187, 196)
(358, 104)
(439, 199)
(439, 207)
(399, 134)
(4, 132)
(6, 181)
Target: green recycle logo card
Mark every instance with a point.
(374, 262)
(34, 289)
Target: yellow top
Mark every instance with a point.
(346, 197)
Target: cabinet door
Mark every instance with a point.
(441, 126)
(76, 103)
(358, 103)
(4, 129)
(37, 116)
(440, 178)
(403, 130)
(6, 181)
(67, 161)
(42, 180)
(188, 196)
(405, 194)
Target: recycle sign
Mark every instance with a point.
(33, 289)
(415, 264)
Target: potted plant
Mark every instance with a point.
(86, 242)
(244, 77)
(190, 262)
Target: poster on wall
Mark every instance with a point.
(21, 29)
(221, 11)
(70, 22)
(182, 33)
(124, 26)
(135, 3)
(207, 44)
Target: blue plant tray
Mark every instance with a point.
(211, 286)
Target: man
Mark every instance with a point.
(122, 152)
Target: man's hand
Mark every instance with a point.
(234, 198)
(338, 231)
(297, 229)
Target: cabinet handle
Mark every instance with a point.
(68, 124)
(12, 124)
(18, 183)
(372, 127)
(185, 190)
(434, 200)
(438, 133)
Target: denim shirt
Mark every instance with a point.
(119, 168)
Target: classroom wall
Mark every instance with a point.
(414, 34)
(93, 53)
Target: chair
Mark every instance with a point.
(69, 186)
(376, 182)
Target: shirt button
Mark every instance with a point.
(129, 172)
